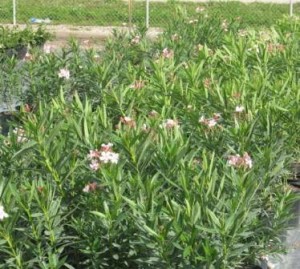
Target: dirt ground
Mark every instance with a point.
(95, 34)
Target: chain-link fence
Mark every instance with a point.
(120, 12)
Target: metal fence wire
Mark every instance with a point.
(121, 12)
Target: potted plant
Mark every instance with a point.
(15, 42)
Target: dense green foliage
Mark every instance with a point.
(13, 40)
(204, 123)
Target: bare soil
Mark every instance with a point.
(88, 36)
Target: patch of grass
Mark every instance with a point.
(83, 12)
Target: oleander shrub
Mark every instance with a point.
(172, 152)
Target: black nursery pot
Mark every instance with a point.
(251, 267)
(295, 180)
(19, 52)
(6, 117)
(4, 122)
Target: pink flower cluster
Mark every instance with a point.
(136, 40)
(90, 187)
(200, 9)
(193, 21)
(103, 156)
(28, 57)
(64, 73)
(137, 84)
(239, 109)
(166, 53)
(275, 47)
(3, 214)
(238, 161)
(128, 121)
(175, 37)
(212, 122)
(224, 25)
(170, 124)
(153, 114)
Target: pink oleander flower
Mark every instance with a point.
(247, 160)
(145, 128)
(95, 164)
(273, 48)
(28, 57)
(202, 120)
(128, 121)
(240, 162)
(200, 47)
(109, 157)
(104, 155)
(239, 109)
(138, 84)
(3, 214)
(255, 48)
(170, 124)
(106, 147)
(193, 21)
(207, 83)
(224, 25)
(234, 160)
(185, 65)
(175, 37)
(200, 9)
(93, 154)
(90, 187)
(27, 108)
(242, 32)
(96, 57)
(153, 114)
(64, 73)
(210, 123)
(217, 116)
(166, 53)
(189, 107)
(136, 40)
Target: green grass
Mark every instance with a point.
(86, 12)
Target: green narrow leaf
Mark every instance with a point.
(29, 145)
(214, 218)
(99, 214)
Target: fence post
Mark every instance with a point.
(130, 13)
(147, 14)
(291, 7)
(14, 12)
